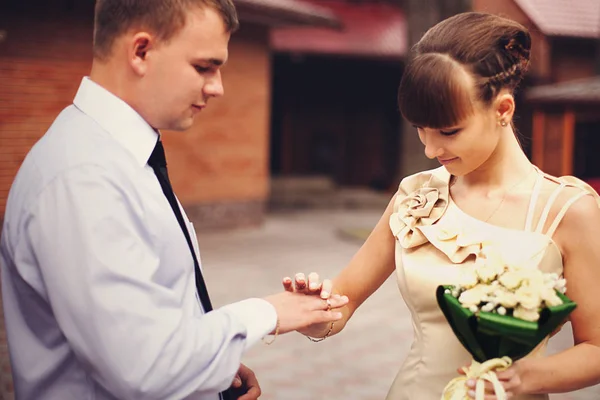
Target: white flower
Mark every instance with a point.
(551, 278)
(534, 277)
(561, 285)
(489, 264)
(467, 278)
(511, 279)
(487, 273)
(493, 286)
(529, 297)
(506, 299)
(551, 298)
(474, 296)
(526, 314)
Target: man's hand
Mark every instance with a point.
(297, 311)
(247, 382)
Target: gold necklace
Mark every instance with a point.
(505, 193)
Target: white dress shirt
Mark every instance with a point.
(97, 277)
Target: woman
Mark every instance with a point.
(458, 93)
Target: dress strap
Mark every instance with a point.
(548, 206)
(535, 194)
(563, 211)
(562, 182)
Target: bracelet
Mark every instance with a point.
(324, 337)
(274, 335)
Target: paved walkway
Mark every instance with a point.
(358, 364)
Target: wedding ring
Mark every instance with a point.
(328, 304)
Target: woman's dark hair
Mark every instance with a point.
(466, 58)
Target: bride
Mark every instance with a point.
(458, 92)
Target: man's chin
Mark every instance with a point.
(180, 126)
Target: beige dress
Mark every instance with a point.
(435, 240)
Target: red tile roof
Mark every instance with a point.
(575, 18)
(286, 13)
(369, 30)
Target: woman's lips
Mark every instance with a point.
(447, 160)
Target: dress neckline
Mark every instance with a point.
(534, 195)
(451, 203)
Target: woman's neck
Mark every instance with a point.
(507, 165)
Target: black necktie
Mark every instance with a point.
(158, 162)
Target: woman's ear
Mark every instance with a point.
(504, 108)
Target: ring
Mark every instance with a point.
(328, 304)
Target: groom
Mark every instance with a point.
(103, 290)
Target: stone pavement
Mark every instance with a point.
(358, 364)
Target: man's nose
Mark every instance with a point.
(214, 87)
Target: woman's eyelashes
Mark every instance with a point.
(444, 132)
(449, 132)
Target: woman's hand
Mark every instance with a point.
(510, 379)
(312, 287)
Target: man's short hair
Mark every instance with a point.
(163, 18)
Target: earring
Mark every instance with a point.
(503, 123)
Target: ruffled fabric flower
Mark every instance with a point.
(421, 201)
(450, 237)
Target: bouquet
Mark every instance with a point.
(500, 313)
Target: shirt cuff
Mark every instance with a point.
(257, 315)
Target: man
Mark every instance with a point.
(103, 292)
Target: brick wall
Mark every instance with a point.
(40, 69)
(6, 385)
(220, 164)
(219, 168)
(39, 74)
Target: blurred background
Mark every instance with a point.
(293, 167)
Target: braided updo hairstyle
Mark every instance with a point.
(466, 58)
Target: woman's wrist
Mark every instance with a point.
(529, 383)
(324, 334)
(317, 330)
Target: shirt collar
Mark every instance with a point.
(116, 117)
